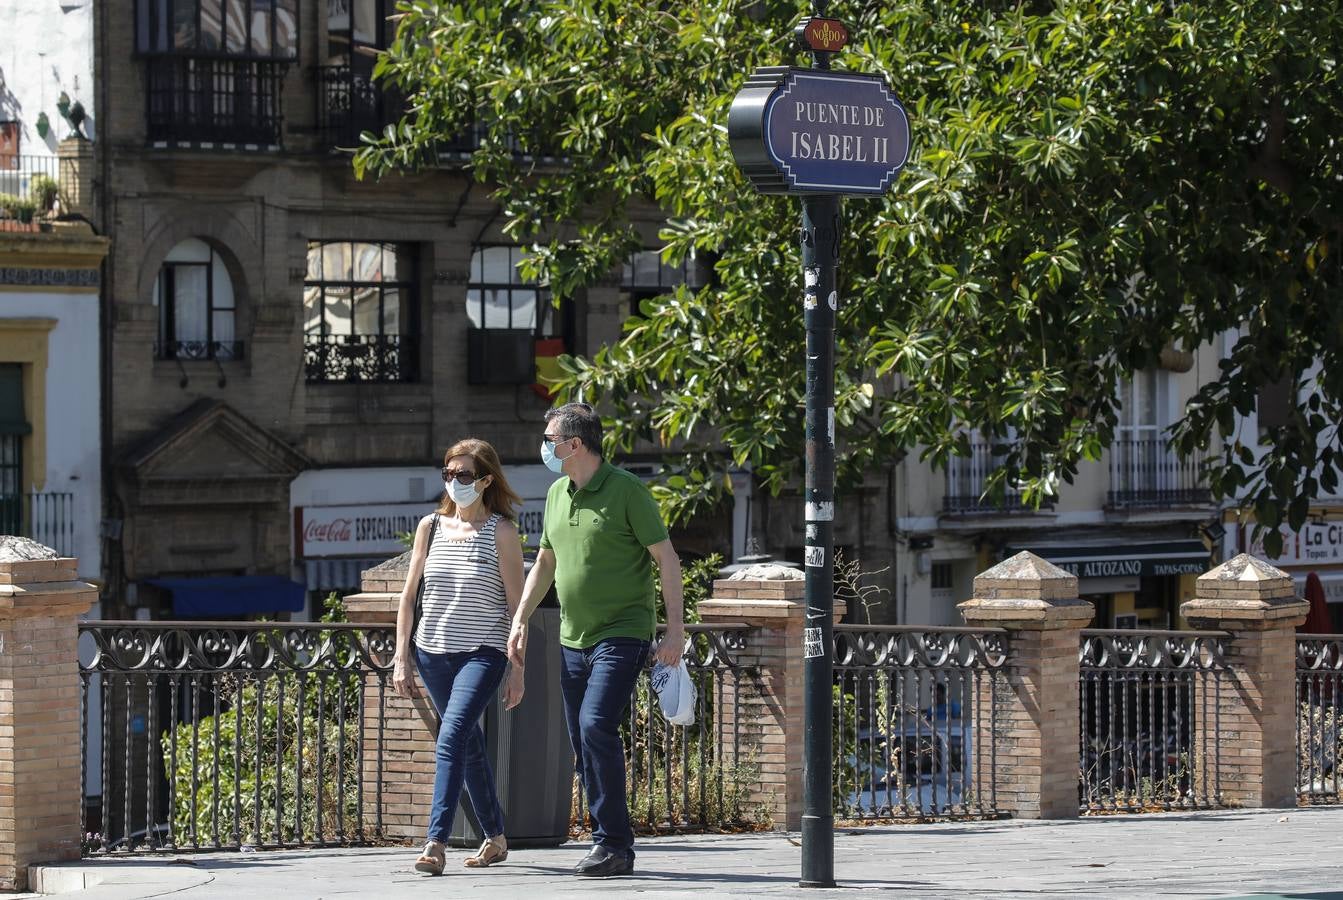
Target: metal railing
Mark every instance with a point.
(30, 186)
(1146, 473)
(47, 517)
(232, 735)
(348, 104)
(360, 357)
(914, 714)
(691, 777)
(214, 100)
(1319, 702)
(965, 481)
(199, 350)
(1150, 705)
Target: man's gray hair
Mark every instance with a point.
(578, 420)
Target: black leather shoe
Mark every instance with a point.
(604, 862)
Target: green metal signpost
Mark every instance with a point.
(821, 135)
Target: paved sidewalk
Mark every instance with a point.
(1286, 853)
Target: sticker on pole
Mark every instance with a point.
(812, 646)
(815, 557)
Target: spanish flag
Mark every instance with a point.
(548, 369)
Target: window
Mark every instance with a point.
(349, 101)
(253, 29)
(196, 305)
(510, 317)
(647, 276)
(941, 576)
(1144, 471)
(214, 72)
(360, 312)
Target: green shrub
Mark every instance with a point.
(44, 191)
(252, 751)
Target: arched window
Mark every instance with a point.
(196, 305)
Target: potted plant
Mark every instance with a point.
(24, 210)
(8, 202)
(44, 192)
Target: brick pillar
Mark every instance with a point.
(1253, 718)
(762, 708)
(409, 727)
(1037, 722)
(76, 177)
(40, 789)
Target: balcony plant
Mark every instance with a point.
(24, 210)
(8, 202)
(44, 192)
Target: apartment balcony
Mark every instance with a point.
(47, 517)
(30, 191)
(967, 477)
(348, 104)
(207, 102)
(1145, 474)
(360, 357)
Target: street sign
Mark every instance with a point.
(800, 131)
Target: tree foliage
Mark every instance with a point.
(1091, 181)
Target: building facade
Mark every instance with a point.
(290, 349)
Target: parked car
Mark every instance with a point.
(922, 770)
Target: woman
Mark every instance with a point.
(470, 558)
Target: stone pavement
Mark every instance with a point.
(1282, 853)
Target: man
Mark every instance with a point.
(601, 536)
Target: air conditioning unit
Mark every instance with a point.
(500, 356)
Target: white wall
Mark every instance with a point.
(47, 48)
(73, 414)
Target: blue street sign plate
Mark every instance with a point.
(816, 131)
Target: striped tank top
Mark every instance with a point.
(464, 607)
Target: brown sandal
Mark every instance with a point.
(432, 860)
(492, 850)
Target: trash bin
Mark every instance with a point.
(529, 750)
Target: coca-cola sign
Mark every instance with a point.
(370, 530)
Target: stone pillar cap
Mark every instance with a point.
(1026, 590)
(767, 572)
(1245, 588)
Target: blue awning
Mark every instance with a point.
(237, 595)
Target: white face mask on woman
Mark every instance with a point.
(462, 494)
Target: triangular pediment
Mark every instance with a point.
(211, 441)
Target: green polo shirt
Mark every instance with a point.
(600, 535)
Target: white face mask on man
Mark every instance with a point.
(463, 495)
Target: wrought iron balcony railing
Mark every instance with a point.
(349, 103)
(30, 187)
(360, 357)
(47, 517)
(966, 480)
(214, 101)
(223, 351)
(1146, 474)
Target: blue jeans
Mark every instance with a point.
(597, 683)
(461, 685)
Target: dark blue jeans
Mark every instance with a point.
(597, 683)
(461, 685)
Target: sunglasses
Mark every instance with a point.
(461, 476)
(556, 438)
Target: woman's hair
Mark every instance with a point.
(498, 497)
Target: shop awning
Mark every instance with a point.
(1185, 557)
(1331, 581)
(239, 595)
